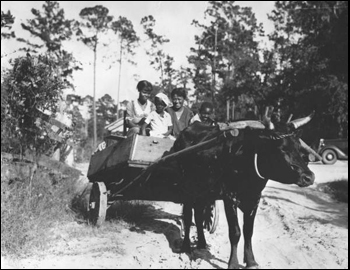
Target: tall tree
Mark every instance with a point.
(96, 22)
(226, 62)
(128, 40)
(183, 77)
(7, 21)
(156, 53)
(311, 41)
(51, 29)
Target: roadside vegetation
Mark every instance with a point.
(339, 190)
(30, 208)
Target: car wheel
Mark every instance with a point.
(329, 157)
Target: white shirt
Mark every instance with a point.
(159, 124)
(136, 111)
(195, 118)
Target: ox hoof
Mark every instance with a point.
(186, 249)
(202, 246)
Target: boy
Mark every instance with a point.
(160, 120)
(204, 116)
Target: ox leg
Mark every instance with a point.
(248, 228)
(234, 231)
(199, 217)
(187, 216)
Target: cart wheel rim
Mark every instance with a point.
(211, 217)
(98, 204)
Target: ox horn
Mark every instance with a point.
(241, 125)
(302, 121)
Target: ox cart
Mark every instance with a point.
(125, 171)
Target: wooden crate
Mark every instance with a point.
(137, 151)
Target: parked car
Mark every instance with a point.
(332, 150)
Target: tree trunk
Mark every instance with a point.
(120, 76)
(94, 102)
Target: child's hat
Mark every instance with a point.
(164, 98)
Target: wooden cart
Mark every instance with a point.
(124, 171)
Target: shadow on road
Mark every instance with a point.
(157, 221)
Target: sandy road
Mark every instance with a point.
(295, 229)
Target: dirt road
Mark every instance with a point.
(295, 229)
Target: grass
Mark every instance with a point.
(131, 212)
(30, 208)
(37, 214)
(338, 190)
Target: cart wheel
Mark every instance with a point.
(98, 204)
(211, 217)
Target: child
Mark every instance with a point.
(204, 116)
(160, 120)
(138, 110)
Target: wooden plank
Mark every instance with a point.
(147, 150)
(110, 157)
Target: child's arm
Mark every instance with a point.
(143, 129)
(170, 130)
(145, 123)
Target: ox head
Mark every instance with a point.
(276, 152)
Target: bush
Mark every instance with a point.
(338, 190)
(30, 208)
(32, 85)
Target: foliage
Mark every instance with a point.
(106, 109)
(7, 20)
(183, 77)
(339, 190)
(96, 21)
(226, 62)
(29, 211)
(32, 86)
(159, 60)
(52, 28)
(128, 38)
(311, 42)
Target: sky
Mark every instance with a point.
(173, 20)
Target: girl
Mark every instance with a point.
(160, 120)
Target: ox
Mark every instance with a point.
(237, 170)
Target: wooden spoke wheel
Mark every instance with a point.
(98, 204)
(211, 217)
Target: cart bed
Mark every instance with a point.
(132, 152)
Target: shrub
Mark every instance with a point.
(33, 84)
(338, 190)
(30, 208)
